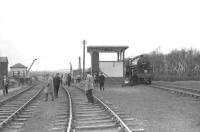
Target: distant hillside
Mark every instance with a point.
(60, 70)
(51, 71)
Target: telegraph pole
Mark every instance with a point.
(84, 42)
(79, 65)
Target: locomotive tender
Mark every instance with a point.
(138, 70)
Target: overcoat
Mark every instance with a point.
(56, 81)
(89, 84)
(48, 85)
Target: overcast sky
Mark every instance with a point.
(52, 30)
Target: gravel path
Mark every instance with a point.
(43, 117)
(160, 111)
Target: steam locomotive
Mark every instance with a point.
(138, 70)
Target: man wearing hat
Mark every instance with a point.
(56, 82)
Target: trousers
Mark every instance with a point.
(46, 96)
(102, 86)
(5, 90)
(56, 89)
(89, 96)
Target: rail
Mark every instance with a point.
(123, 125)
(180, 90)
(70, 112)
(114, 114)
(177, 87)
(18, 110)
(7, 99)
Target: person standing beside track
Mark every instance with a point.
(48, 87)
(69, 79)
(89, 86)
(56, 83)
(5, 83)
(101, 81)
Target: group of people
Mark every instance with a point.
(99, 79)
(51, 86)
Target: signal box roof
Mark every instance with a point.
(106, 48)
(18, 65)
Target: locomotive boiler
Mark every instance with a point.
(138, 70)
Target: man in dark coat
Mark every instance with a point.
(56, 83)
(96, 78)
(5, 83)
(69, 79)
(101, 81)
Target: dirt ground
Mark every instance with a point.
(161, 111)
(44, 115)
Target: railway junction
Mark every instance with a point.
(152, 107)
(166, 107)
(70, 112)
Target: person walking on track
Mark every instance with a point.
(48, 87)
(89, 86)
(56, 82)
(5, 83)
(101, 81)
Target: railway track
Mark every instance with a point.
(179, 90)
(15, 110)
(77, 115)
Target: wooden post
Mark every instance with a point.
(117, 56)
(123, 65)
(79, 65)
(84, 42)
